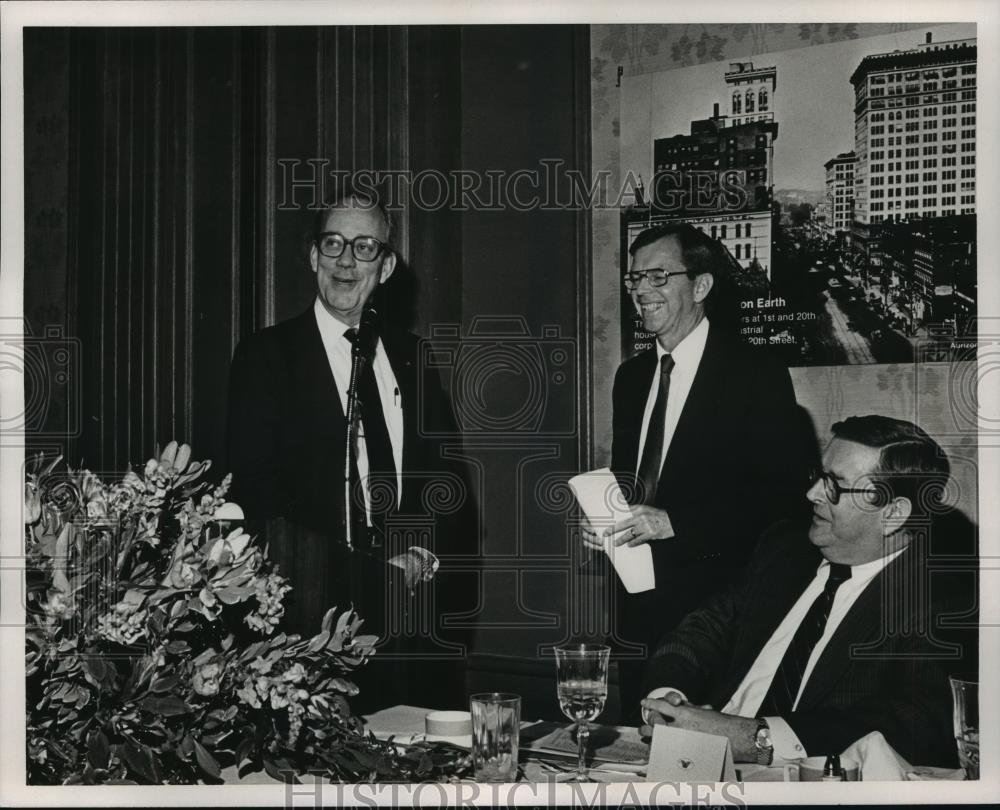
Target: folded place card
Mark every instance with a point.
(678, 755)
(604, 504)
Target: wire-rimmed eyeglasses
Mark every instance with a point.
(364, 248)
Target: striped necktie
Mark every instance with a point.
(784, 688)
(652, 450)
(382, 486)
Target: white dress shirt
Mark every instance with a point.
(749, 695)
(687, 355)
(338, 353)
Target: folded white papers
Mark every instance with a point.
(604, 504)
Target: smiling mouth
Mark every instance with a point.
(651, 306)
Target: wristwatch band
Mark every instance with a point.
(762, 742)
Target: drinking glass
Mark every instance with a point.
(582, 684)
(496, 729)
(965, 704)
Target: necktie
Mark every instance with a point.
(784, 688)
(382, 487)
(652, 451)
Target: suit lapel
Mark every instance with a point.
(773, 596)
(857, 627)
(404, 371)
(318, 387)
(633, 403)
(689, 440)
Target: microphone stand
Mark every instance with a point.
(351, 434)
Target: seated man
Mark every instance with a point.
(825, 641)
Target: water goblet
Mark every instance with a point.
(582, 686)
(965, 705)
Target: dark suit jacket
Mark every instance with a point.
(735, 465)
(286, 453)
(885, 668)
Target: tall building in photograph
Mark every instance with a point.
(915, 138)
(751, 92)
(839, 206)
(719, 176)
(718, 179)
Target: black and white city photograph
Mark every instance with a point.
(440, 405)
(842, 179)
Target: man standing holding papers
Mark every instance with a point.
(830, 638)
(704, 440)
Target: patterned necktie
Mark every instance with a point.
(382, 487)
(784, 688)
(652, 451)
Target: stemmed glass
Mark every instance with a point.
(582, 684)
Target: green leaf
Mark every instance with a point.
(98, 750)
(231, 596)
(95, 669)
(164, 683)
(206, 761)
(280, 770)
(224, 715)
(328, 619)
(319, 641)
(139, 760)
(168, 706)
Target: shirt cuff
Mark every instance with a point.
(660, 691)
(787, 745)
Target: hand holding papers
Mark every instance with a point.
(603, 503)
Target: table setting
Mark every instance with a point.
(501, 746)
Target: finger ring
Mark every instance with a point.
(633, 531)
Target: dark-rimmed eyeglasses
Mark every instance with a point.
(833, 489)
(364, 248)
(656, 277)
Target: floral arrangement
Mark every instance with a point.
(152, 651)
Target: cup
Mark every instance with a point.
(965, 713)
(496, 731)
(811, 769)
(453, 727)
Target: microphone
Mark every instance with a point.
(362, 352)
(368, 332)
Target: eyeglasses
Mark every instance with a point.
(833, 490)
(364, 248)
(656, 277)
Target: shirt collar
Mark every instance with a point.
(688, 352)
(331, 328)
(866, 571)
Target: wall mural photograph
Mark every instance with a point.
(842, 179)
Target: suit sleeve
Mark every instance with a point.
(253, 429)
(912, 711)
(761, 481)
(697, 655)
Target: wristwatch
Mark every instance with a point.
(762, 742)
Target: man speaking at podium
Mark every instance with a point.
(288, 398)
(705, 440)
